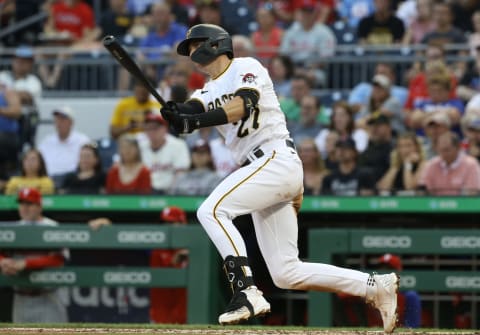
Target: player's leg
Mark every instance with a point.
(247, 189)
(276, 230)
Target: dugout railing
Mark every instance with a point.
(325, 244)
(200, 277)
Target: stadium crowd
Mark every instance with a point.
(400, 132)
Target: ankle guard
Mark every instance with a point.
(235, 274)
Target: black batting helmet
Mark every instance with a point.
(212, 35)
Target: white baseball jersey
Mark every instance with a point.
(165, 162)
(264, 188)
(265, 124)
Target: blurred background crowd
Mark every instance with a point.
(380, 96)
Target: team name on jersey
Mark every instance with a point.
(219, 102)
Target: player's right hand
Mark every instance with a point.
(169, 110)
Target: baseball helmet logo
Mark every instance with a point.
(249, 78)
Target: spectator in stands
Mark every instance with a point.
(116, 20)
(33, 174)
(10, 112)
(342, 122)
(422, 24)
(435, 125)
(181, 74)
(313, 166)
(300, 86)
(330, 156)
(377, 155)
(452, 172)
(307, 42)
(469, 84)
(348, 179)
(130, 175)
(434, 66)
(164, 154)
(21, 77)
(38, 304)
(165, 34)
(242, 46)
(222, 157)
(474, 37)
(352, 11)
(360, 94)
(281, 71)
(407, 162)
(307, 126)
(202, 178)
(268, 37)
(61, 150)
(438, 101)
(471, 130)
(381, 101)
(446, 33)
(69, 22)
(382, 27)
(89, 177)
(129, 114)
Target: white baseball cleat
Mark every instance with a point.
(244, 305)
(385, 299)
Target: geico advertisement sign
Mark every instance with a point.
(462, 282)
(137, 236)
(130, 277)
(408, 281)
(460, 242)
(53, 277)
(72, 236)
(387, 241)
(7, 236)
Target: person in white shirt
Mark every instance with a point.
(21, 78)
(164, 154)
(61, 150)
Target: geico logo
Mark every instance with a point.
(78, 236)
(7, 236)
(53, 277)
(408, 281)
(470, 242)
(141, 237)
(387, 241)
(127, 277)
(462, 282)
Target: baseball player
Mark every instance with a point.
(42, 304)
(240, 101)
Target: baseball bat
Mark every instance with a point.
(124, 59)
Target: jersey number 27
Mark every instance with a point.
(244, 132)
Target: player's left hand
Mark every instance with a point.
(181, 123)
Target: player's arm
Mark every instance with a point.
(185, 118)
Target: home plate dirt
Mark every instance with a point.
(220, 331)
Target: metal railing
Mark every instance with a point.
(94, 72)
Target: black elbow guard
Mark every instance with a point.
(250, 99)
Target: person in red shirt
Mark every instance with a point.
(268, 37)
(73, 17)
(169, 305)
(129, 176)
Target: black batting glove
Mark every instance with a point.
(168, 110)
(181, 123)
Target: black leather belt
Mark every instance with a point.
(259, 152)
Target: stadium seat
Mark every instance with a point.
(107, 149)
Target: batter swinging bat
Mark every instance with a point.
(122, 57)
